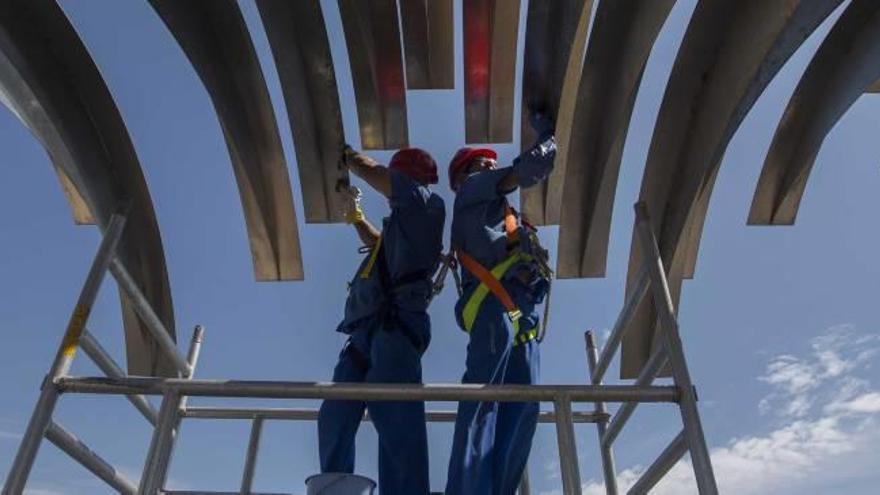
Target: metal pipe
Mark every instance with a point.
(646, 377)
(105, 362)
(149, 316)
(160, 445)
(690, 415)
(250, 462)
(36, 428)
(608, 469)
(670, 456)
(167, 439)
(76, 449)
(368, 391)
(195, 348)
(568, 458)
(293, 414)
(621, 325)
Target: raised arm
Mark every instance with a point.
(376, 175)
(536, 163)
(354, 215)
(369, 235)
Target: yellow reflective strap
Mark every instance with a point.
(522, 338)
(469, 313)
(373, 255)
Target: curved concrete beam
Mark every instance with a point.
(621, 40)
(428, 43)
(843, 68)
(490, 32)
(78, 206)
(50, 82)
(553, 31)
(215, 39)
(730, 52)
(372, 35)
(301, 50)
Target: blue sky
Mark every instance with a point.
(780, 324)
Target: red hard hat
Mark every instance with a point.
(463, 157)
(416, 163)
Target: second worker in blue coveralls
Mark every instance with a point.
(505, 275)
(387, 321)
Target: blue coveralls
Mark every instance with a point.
(492, 440)
(387, 320)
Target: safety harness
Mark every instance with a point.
(490, 280)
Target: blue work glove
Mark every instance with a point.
(542, 124)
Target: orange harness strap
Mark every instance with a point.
(486, 278)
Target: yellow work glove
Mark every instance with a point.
(353, 211)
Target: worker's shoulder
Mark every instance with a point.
(481, 187)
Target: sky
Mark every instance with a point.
(780, 326)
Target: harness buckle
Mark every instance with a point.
(514, 314)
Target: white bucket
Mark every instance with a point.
(339, 484)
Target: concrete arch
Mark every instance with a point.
(50, 82)
(428, 43)
(730, 52)
(301, 51)
(623, 35)
(372, 35)
(212, 34)
(844, 67)
(556, 38)
(490, 35)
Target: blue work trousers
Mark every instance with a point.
(492, 439)
(383, 357)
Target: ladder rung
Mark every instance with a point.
(646, 377)
(79, 452)
(149, 317)
(105, 362)
(670, 456)
(643, 281)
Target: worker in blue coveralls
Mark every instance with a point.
(387, 322)
(504, 276)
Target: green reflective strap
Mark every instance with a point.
(469, 313)
(522, 338)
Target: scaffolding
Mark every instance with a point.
(175, 391)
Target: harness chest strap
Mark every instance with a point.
(490, 281)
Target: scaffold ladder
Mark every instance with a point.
(175, 392)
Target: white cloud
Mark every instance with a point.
(812, 446)
(867, 403)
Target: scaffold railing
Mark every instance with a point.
(175, 392)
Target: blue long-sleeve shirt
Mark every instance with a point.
(412, 240)
(478, 226)
(480, 205)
